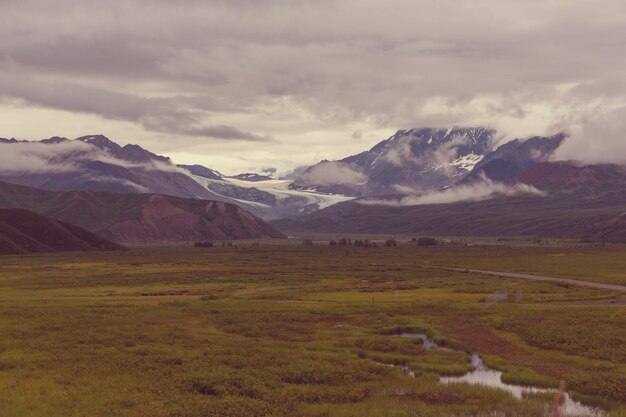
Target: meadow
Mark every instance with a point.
(285, 329)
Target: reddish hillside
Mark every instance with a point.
(564, 176)
(140, 217)
(176, 219)
(22, 231)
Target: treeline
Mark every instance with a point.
(224, 245)
(367, 243)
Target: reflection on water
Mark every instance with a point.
(482, 375)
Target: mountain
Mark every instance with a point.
(415, 158)
(95, 163)
(22, 231)
(420, 160)
(411, 161)
(126, 217)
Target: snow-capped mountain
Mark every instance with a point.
(421, 160)
(411, 159)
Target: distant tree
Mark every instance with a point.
(332, 243)
(427, 241)
(307, 242)
(391, 242)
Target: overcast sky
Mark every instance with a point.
(240, 85)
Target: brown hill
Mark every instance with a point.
(22, 231)
(129, 218)
(571, 176)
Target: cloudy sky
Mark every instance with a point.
(241, 85)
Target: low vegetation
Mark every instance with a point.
(280, 329)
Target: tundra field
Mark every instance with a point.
(285, 329)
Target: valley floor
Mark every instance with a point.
(283, 329)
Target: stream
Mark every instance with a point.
(481, 374)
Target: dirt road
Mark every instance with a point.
(611, 287)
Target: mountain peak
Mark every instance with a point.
(136, 153)
(99, 141)
(130, 152)
(54, 140)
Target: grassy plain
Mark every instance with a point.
(290, 330)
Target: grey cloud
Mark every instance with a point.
(226, 132)
(192, 68)
(102, 56)
(156, 114)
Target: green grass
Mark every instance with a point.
(284, 330)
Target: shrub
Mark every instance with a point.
(203, 244)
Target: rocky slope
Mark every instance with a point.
(508, 161)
